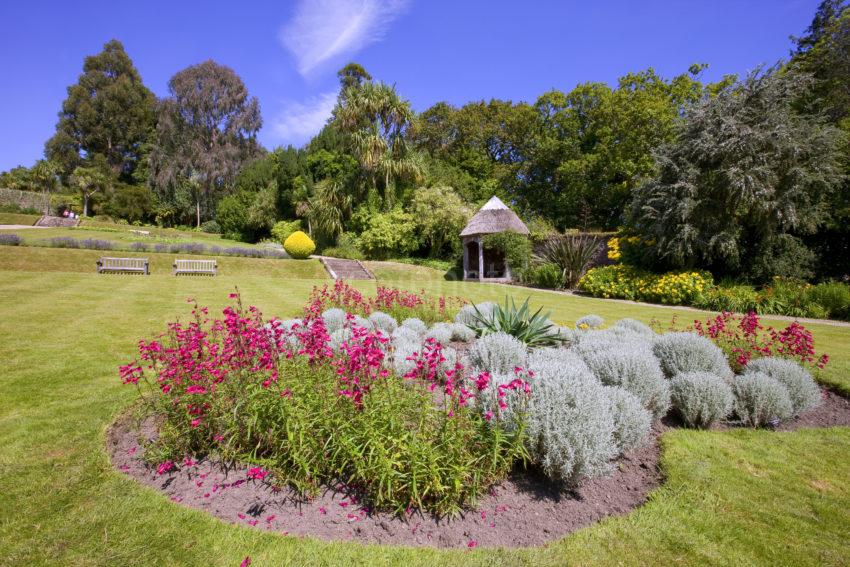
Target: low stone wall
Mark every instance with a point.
(23, 199)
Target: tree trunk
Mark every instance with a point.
(198, 213)
(85, 204)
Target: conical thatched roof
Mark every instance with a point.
(494, 217)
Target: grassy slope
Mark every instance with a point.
(731, 498)
(17, 218)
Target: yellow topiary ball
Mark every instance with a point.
(299, 245)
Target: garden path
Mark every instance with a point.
(340, 269)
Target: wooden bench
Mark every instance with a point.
(205, 267)
(123, 265)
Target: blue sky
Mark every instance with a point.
(455, 50)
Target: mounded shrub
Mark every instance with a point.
(802, 389)
(539, 358)
(498, 353)
(688, 352)
(570, 423)
(632, 367)
(462, 333)
(405, 333)
(415, 324)
(760, 399)
(298, 245)
(383, 322)
(589, 322)
(635, 326)
(631, 421)
(338, 337)
(467, 314)
(334, 319)
(701, 398)
(404, 348)
(440, 332)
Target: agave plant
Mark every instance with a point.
(533, 329)
(572, 254)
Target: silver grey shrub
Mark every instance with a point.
(405, 333)
(383, 322)
(590, 322)
(415, 324)
(632, 422)
(701, 398)
(467, 314)
(570, 423)
(689, 352)
(632, 366)
(334, 319)
(462, 333)
(760, 399)
(498, 353)
(338, 337)
(802, 389)
(635, 326)
(402, 349)
(440, 332)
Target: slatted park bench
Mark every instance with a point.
(202, 267)
(123, 265)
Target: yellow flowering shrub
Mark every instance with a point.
(614, 249)
(627, 282)
(298, 245)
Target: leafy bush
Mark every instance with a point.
(383, 322)
(211, 227)
(299, 246)
(462, 333)
(545, 275)
(468, 313)
(802, 389)
(589, 322)
(570, 426)
(497, 353)
(389, 234)
(635, 326)
(347, 246)
(633, 368)
(440, 332)
(701, 398)
(533, 329)
(515, 248)
(240, 400)
(626, 282)
(417, 325)
(631, 421)
(729, 297)
(760, 400)
(573, 255)
(834, 297)
(10, 240)
(688, 352)
(284, 229)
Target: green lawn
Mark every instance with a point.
(731, 498)
(17, 218)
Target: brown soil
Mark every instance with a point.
(525, 510)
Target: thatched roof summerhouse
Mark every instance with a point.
(483, 264)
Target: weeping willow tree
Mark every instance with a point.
(375, 120)
(747, 175)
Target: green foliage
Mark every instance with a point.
(211, 227)
(299, 246)
(347, 246)
(515, 248)
(626, 282)
(282, 229)
(545, 275)
(440, 216)
(132, 203)
(389, 234)
(746, 175)
(246, 216)
(572, 254)
(533, 329)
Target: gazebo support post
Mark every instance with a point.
(480, 260)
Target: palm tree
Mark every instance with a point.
(89, 180)
(328, 208)
(376, 119)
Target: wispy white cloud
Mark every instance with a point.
(299, 121)
(322, 30)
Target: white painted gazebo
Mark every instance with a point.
(479, 263)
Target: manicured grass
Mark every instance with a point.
(741, 497)
(19, 258)
(17, 218)
(395, 271)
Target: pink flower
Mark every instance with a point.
(246, 562)
(257, 473)
(164, 467)
(472, 543)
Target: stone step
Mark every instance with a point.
(341, 269)
(56, 222)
